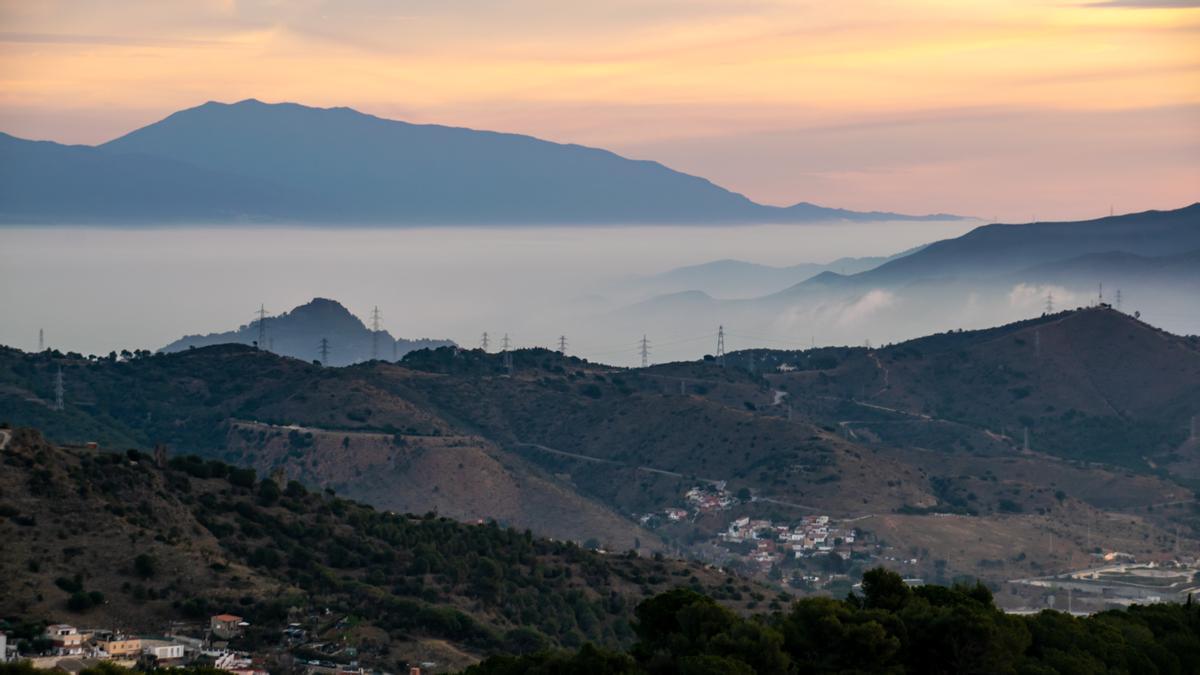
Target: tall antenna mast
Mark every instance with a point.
(562, 344)
(58, 390)
(645, 348)
(375, 317)
(484, 342)
(262, 326)
(324, 349)
(721, 345)
(41, 340)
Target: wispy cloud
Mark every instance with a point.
(109, 40)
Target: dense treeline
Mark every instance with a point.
(890, 628)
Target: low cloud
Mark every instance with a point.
(862, 308)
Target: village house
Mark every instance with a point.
(162, 653)
(67, 640)
(226, 626)
(120, 647)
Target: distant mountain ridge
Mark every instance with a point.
(286, 162)
(298, 334)
(737, 278)
(994, 273)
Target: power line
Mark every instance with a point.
(262, 327)
(375, 317)
(721, 345)
(324, 350)
(645, 352)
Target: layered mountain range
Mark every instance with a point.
(1144, 262)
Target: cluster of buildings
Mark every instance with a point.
(772, 543)
(72, 650)
(702, 499)
(709, 498)
(812, 535)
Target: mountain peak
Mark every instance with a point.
(288, 162)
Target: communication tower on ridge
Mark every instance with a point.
(645, 349)
(721, 346)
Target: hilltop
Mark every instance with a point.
(1092, 384)
(123, 541)
(299, 332)
(284, 162)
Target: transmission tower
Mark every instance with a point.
(645, 348)
(721, 346)
(262, 327)
(505, 344)
(58, 390)
(324, 349)
(41, 340)
(562, 344)
(1049, 302)
(375, 317)
(1100, 294)
(1118, 299)
(484, 342)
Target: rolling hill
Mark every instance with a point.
(253, 161)
(890, 438)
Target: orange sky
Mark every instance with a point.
(996, 108)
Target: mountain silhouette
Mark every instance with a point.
(298, 334)
(291, 163)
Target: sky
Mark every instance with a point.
(1000, 109)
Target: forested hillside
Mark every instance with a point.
(115, 539)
